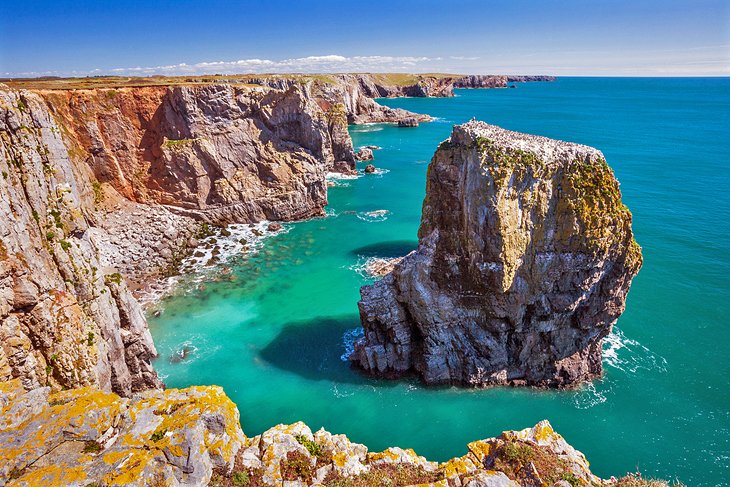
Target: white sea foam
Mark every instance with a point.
(193, 349)
(373, 216)
(208, 257)
(628, 355)
(590, 396)
(348, 341)
(338, 176)
(379, 171)
(367, 267)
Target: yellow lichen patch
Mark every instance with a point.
(52, 475)
(387, 455)
(339, 458)
(12, 387)
(480, 449)
(129, 469)
(457, 466)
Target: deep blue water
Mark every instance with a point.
(273, 336)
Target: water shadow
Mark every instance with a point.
(394, 248)
(312, 349)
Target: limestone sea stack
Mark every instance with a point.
(525, 258)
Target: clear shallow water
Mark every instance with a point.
(272, 334)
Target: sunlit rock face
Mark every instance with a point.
(192, 437)
(525, 259)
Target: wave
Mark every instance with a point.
(628, 355)
(373, 216)
(590, 396)
(379, 171)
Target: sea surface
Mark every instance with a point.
(272, 326)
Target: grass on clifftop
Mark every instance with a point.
(94, 82)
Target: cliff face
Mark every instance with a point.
(525, 258)
(103, 185)
(65, 320)
(192, 437)
(481, 81)
(222, 153)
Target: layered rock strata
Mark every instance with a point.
(525, 259)
(193, 437)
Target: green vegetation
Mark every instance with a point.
(91, 447)
(65, 244)
(505, 160)
(98, 191)
(50, 235)
(385, 475)
(21, 105)
(115, 278)
(171, 143)
(158, 435)
(240, 478)
(312, 447)
(90, 339)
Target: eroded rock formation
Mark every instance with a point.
(525, 258)
(193, 437)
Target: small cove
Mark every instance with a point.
(273, 330)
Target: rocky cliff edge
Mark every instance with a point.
(192, 437)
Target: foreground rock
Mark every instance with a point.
(192, 437)
(525, 258)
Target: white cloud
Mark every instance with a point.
(331, 63)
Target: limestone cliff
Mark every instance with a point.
(525, 258)
(192, 437)
(100, 186)
(65, 320)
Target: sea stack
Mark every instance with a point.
(525, 258)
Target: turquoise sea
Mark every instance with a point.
(273, 332)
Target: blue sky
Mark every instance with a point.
(561, 37)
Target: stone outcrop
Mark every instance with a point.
(105, 185)
(481, 81)
(193, 437)
(525, 258)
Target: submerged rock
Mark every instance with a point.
(369, 169)
(525, 258)
(364, 154)
(408, 122)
